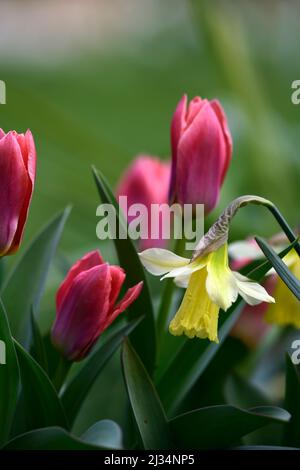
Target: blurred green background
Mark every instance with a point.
(97, 82)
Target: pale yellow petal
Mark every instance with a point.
(220, 283)
(252, 292)
(159, 261)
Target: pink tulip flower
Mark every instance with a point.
(86, 304)
(146, 181)
(17, 175)
(201, 152)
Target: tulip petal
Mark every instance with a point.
(86, 262)
(251, 292)
(227, 135)
(177, 126)
(83, 312)
(200, 160)
(28, 151)
(127, 300)
(220, 283)
(117, 279)
(14, 184)
(159, 261)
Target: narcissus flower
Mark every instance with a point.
(86, 304)
(146, 181)
(201, 152)
(210, 283)
(17, 176)
(286, 311)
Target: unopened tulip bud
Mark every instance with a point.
(86, 304)
(17, 175)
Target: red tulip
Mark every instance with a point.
(86, 304)
(146, 181)
(201, 152)
(17, 175)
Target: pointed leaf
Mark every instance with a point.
(280, 267)
(51, 438)
(77, 389)
(24, 287)
(105, 433)
(9, 377)
(144, 337)
(38, 351)
(292, 403)
(42, 405)
(219, 427)
(147, 408)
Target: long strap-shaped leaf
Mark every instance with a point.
(147, 408)
(23, 289)
(194, 356)
(221, 426)
(144, 337)
(9, 377)
(42, 405)
(292, 403)
(77, 389)
(280, 267)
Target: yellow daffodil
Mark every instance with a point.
(211, 285)
(286, 310)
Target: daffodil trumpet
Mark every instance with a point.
(210, 284)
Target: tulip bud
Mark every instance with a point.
(146, 181)
(86, 304)
(17, 175)
(201, 152)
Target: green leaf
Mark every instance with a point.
(219, 427)
(239, 392)
(280, 267)
(38, 351)
(50, 438)
(195, 354)
(23, 288)
(9, 377)
(292, 403)
(144, 337)
(77, 389)
(147, 408)
(105, 433)
(42, 405)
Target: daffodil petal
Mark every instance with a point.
(247, 249)
(220, 282)
(159, 261)
(182, 281)
(188, 269)
(251, 292)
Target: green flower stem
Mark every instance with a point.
(284, 225)
(61, 372)
(167, 297)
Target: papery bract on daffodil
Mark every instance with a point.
(201, 152)
(146, 181)
(211, 284)
(286, 311)
(17, 176)
(86, 304)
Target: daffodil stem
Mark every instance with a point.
(61, 373)
(167, 297)
(285, 226)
